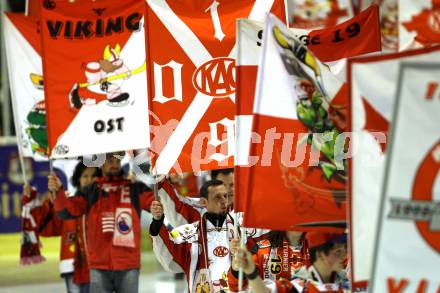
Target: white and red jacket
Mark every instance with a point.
(180, 210)
(200, 249)
(113, 210)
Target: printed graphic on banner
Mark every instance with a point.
(192, 80)
(296, 110)
(24, 67)
(372, 102)
(11, 184)
(309, 14)
(99, 94)
(389, 21)
(411, 192)
(420, 22)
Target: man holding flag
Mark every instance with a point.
(112, 206)
(200, 249)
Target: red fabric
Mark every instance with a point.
(189, 213)
(187, 186)
(213, 96)
(246, 81)
(319, 238)
(30, 242)
(28, 27)
(422, 24)
(102, 254)
(81, 274)
(303, 195)
(33, 9)
(375, 122)
(342, 41)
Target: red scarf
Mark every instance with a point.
(30, 242)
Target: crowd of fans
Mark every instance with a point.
(199, 235)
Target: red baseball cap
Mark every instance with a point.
(316, 239)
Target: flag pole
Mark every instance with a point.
(53, 193)
(155, 192)
(22, 166)
(240, 272)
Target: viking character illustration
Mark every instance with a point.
(105, 76)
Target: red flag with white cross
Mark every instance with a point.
(191, 66)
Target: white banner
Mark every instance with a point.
(408, 242)
(24, 66)
(373, 83)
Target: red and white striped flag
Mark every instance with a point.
(23, 56)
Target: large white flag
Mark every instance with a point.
(373, 83)
(24, 66)
(408, 242)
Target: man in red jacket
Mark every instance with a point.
(112, 206)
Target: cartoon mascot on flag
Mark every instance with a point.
(319, 116)
(106, 78)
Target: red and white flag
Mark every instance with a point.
(23, 56)
(389, 21)
(363, 37)
(408, 239)
(373, 84)
(192, 55)
(249, 42)
(309, 14)
(94, 75)
(291, 186)
(23, 51)
(419, 22)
